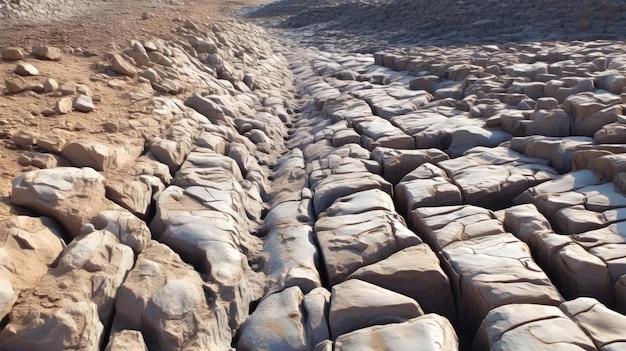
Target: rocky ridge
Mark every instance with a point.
(249, 192)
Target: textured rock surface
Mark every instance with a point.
(428, 332)
(297, 321)
(72, 196)
(73, 300)
(525, 325)
(465, 159)
(418, 264)
(356, 304)
(163, 296)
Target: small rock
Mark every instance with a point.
(52, 142)
(46, 52)
(110, 127)
(190, 25)
(25, 138)
(122, 66)
(151, 75)
(26, 69)
(68, 89)
(41, 160)
(64, 105)
(12, 53)
(49, 112)
(24, 160)
(50, 85)
(16, 84)
(147, 15)
(149, 46)
(83, 103)
(160, 59)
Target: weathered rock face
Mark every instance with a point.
(583, 324)
(277, 170)
(356, 304)
(597, 321)
(491, 177)
(525, 325)
(514, 272)
(75, 299)
(164, 299)
(428, 332)
(417, 264)
(126, 340)
(379, 233)
(398, 163)
(72, 196)
(30, 246)
(297, 321)
(427, 185)
(575, 271)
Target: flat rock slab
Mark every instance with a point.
(427, 185)
(356, 304)
(492, 177)
(360, 202)
(444, 225)
(72, 196)
(517, 326)
(603, 325)
(296, 321)
(430, 332)
(291, 258)
(398, 163)
(574, 270)
(609, 245)
(416, 273)
(492, 271)
(352, 241)
(578, 202)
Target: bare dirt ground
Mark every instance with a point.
(110, 25)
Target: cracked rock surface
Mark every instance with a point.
(287, 175)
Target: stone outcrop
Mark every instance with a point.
(297, 321)
(72, 301)
(236, 182)
(72, 196)
(428, 332)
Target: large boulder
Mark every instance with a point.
(30, 245)
(74, 300)
(99, 156)
(584, 109)
(72, 196)
(164, 299)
